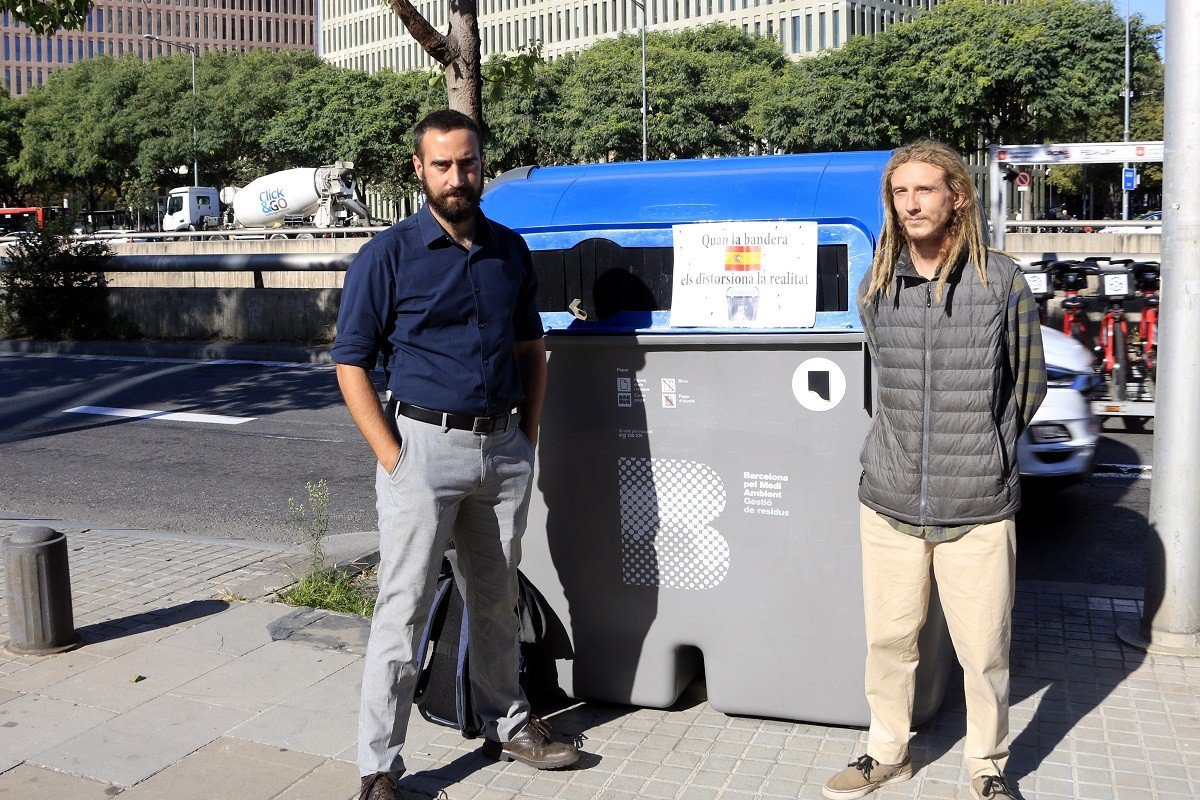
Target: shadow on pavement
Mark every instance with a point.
(1066, 658)
(119, 628)
(570, 720)
(1085, 533)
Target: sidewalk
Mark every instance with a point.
(185, 691)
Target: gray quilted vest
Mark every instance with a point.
(942, 449)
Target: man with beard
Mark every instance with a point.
(447, 297)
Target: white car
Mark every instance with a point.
(1060, 443)
(1151, 223)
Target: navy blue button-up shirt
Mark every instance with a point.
(445, 318)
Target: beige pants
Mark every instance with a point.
(976, 577)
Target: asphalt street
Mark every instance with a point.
(262, 430)
(217, 478)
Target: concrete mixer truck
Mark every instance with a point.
(321, 197)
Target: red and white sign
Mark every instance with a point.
(1079, 153)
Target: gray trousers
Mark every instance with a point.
(474, 490)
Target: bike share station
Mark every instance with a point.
(709, 392)
(1126, 354)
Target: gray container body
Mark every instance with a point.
(689, 508)
(38, 582)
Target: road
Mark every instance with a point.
(267, 429)
(221, 478)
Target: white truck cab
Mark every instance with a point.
(192, 208)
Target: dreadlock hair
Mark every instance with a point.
(966, 227)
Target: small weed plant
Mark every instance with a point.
(334, 591)
(312, 520)
(320, 586)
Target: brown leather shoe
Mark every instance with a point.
(380, 786)
(534, 747)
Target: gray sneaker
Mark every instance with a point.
(992, 787)
(863, 776)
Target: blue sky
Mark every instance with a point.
(1152, 10)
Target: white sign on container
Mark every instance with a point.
(745, 275)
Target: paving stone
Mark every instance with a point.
(234, 632)
(28, 782)
(228, 769)
(333, 780)
(130, 748)
(112, 685)
(320, 719)
(50, 669)
(32, 723)
(266, 676)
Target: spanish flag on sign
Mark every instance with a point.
(743, 258)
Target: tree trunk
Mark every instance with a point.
(457, 51)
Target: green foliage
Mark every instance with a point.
(702, 84)
(44, 17)
(335, 591)
(522, 127)
(12, 114)
(52, 286)
(76, 133)
(970, 72)
(334, 114)
(320, 587)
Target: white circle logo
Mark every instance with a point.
(819, 384)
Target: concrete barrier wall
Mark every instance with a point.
(1144, 246)
(254, 315)
(302, 306)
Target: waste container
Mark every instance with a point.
(695, 502)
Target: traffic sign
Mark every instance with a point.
(1022, 179)
(1129, 178)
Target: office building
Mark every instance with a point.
(367, 34)
(116, 28)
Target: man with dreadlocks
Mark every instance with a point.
(954, 334)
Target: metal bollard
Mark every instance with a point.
(40, 619)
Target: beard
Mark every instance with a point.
(453, 205)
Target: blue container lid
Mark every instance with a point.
(814, 186)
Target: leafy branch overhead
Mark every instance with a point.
(457, 51)
(44, 18)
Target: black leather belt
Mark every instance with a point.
(462, 422)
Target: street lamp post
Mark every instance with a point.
(193, 50)
(645, 138)
(1125, 166)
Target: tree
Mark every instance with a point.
(238, 95)
(44, 17)
(703, 84)
(76, 134)
(521, 127)
(337, 114)
(970, 72)
(12, 112)
(457, 51)
(1146, 124)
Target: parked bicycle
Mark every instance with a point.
(1113, 338)
(1144, 350)
(1071, 278)
(1037, 277)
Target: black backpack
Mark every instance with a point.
(443, 691)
